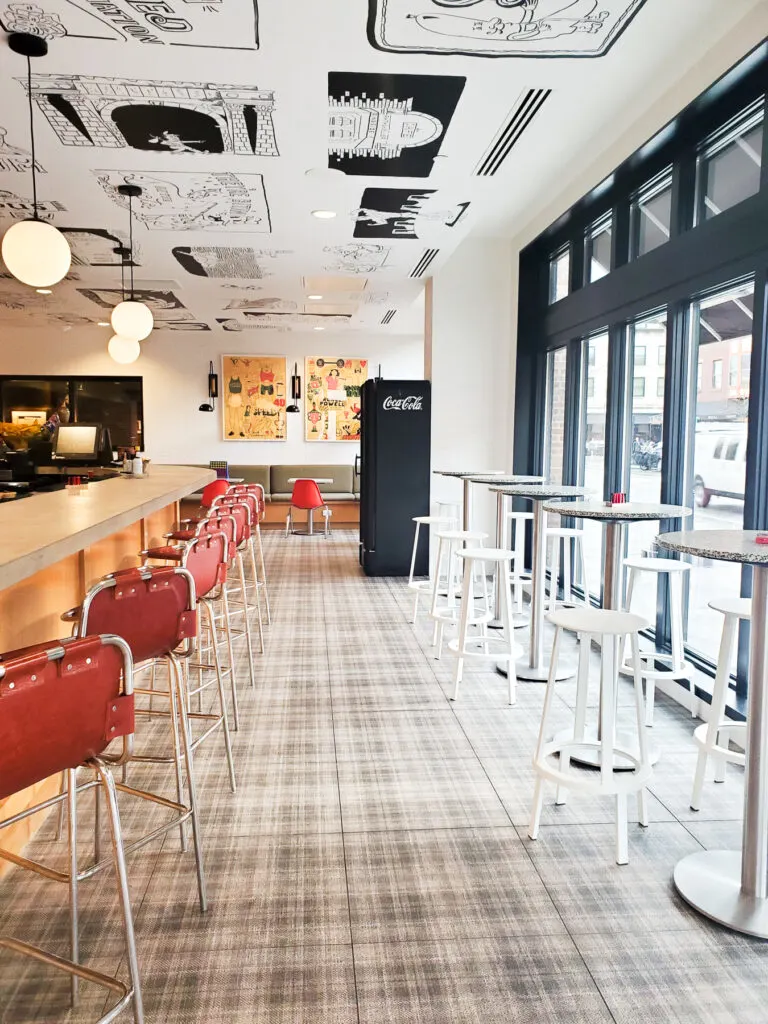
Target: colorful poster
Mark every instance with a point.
(332, 404)
(253, 398)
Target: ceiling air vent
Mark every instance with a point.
(388, 316)
(423, 265)
(527, 107)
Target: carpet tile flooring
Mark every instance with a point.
(373, 865)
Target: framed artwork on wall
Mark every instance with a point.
(253, 393)
(332, 402)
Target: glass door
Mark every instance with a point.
(592, 461)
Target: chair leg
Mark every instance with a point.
(121, 874)
(642, 807)
(509, 627)
(175, 711)
(231, 653)
(538, 803)
(567, 592)
(246, 623)
(74, 941)
(717, 711)
(222, 699)
(467, 601)
(554, 573)
(622, 839)
(191, 784)
(263, 568)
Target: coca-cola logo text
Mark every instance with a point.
(411, 403)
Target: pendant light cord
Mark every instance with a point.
(36, 215)
(130, 238)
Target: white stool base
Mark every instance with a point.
(711, 882)
(566, 667)
(591, 758)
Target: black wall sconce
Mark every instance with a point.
(295, 390)
(213, 390)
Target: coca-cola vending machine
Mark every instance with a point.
(394, 474)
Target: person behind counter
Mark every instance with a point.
(60, 414)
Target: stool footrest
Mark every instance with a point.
(700, 739)
(497, 648)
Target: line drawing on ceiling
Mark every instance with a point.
(236, 325)
(12, 158)
(310, 319)
(398, 212)
(500, 28)
(166, 307)
(157, 116)
(20, 208)
(272, 305)
(389, 124)
(193, 200)
(95, 247)
(358, 257)
(199, 24)
(226, 261)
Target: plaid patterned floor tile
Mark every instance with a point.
(398, 735)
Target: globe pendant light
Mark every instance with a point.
(124, 350)
(131, 319)
(35, 252)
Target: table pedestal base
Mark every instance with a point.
(519, 621)
(711, 882)
(592, 758)
(566, 668)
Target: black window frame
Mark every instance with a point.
(698, 257)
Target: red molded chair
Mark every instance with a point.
(154, 611)
(212, 491)
(306, 496)
(63, 703)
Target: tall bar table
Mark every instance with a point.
(466, 475)
(534, 668)
(727, 886)
(502, 498)
(615, 519)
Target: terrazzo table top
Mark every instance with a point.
(533, 490)
(628, 510)
(467, 473)
(720, 545)
(512, 478)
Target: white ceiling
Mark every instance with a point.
(239, 117)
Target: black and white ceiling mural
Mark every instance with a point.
(193, 201)
(161, 117)
(288, 148)
(207, 24)
(389, 124)
(500, 28)
(404, 213)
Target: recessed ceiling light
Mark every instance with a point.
(43, 291)
(319, 328)
(314, 297)
(103, 323)
(324, 214)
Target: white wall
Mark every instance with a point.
(174, 366)
(473, 358)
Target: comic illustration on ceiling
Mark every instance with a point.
(389, 124)
(333, 398)
(95, 247)
(226, 261)
(12, 158)
(19, 208)
(213, 24)
(272, 305)
(500, 28)
(401, 212)
(193, 200)
(357, 258)
(166, 307)
(254, 398)
(157, 117)
(236, 325)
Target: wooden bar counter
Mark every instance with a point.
(54, 545)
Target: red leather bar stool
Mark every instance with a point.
(63, 704)
(257, 491)
(253, 584)
(205, 556)
(154, 611)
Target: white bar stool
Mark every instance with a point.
(675, 665)
(498, 648)
(446, 610)
(708, 735)
(611, 780)
(564, 535)
(450, 510)
(518, 522)
(423, 586)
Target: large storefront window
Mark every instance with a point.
(721, 327)
(730, 163)
(593, 419)
(554, 452)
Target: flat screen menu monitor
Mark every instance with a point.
(77, 442)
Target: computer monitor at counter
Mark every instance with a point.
(78, 442)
